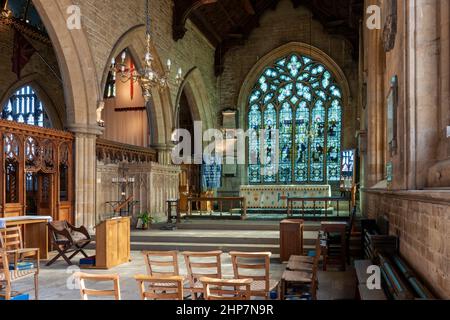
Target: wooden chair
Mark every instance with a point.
(226, 289)
(299, 263)
(67, 239)
(7, 276)
(303, 278)
(212, 268)
(11, 241)
(161, 263)
(161, 287)
(86, 292)
(247, 264)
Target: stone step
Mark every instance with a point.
(236, 225)
(216, 236)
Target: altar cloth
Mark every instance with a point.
(274, 196)
(3, 221)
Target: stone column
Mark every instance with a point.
(375, 160)
(444, 146)
(439, 174)
(426, 79)
(164, 153)
(85, 174)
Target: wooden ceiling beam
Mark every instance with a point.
(181, 12)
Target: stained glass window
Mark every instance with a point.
(25, 107)
(295, 117)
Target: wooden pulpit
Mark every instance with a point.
(112, 240)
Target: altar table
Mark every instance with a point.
(275, 196)
(34, 231)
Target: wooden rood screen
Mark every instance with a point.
(37, 171)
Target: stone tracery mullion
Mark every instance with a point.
(299, 81)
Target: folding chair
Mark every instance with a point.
(68, 239)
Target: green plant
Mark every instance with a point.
(145, 218)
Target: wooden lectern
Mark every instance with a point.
(112, 240)
(291, 238)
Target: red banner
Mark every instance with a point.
(131, 80)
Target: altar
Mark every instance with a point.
(275, 196)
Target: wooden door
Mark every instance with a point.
(45, 197)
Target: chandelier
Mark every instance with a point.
(148, 78)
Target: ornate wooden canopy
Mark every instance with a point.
(227, 23)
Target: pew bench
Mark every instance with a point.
(362, 291)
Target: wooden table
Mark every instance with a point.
(34, 231)
(292, 200)
(220, 200)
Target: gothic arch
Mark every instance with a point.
(159, 109)
(75, 63)
(55, 113)
(289, 48)
(297, 47)
(197, 94)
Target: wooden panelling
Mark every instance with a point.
(41, 152)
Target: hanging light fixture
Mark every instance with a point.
(148, 78)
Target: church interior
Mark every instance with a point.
(225, 149)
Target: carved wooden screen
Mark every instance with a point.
(12, 168)
(36, 160)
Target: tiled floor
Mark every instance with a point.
(56, 282)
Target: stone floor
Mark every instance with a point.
(56, 282)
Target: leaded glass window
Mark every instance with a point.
(297, 103)
(24, 106)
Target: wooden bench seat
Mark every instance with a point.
(363, 292)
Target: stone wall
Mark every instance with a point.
(421, 62)
(154, 184)
(422, 222)
(106, 21)
(36, 73)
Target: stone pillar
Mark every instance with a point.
(439, 174)
(444, 21)
(375, 157)
(164, 153)
(426, 78)
(85, 174)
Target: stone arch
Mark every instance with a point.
(75, 63)
(159, 109)
(194, 88)
(54, 112)
(258, 68)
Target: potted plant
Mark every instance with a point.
(144, 221)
